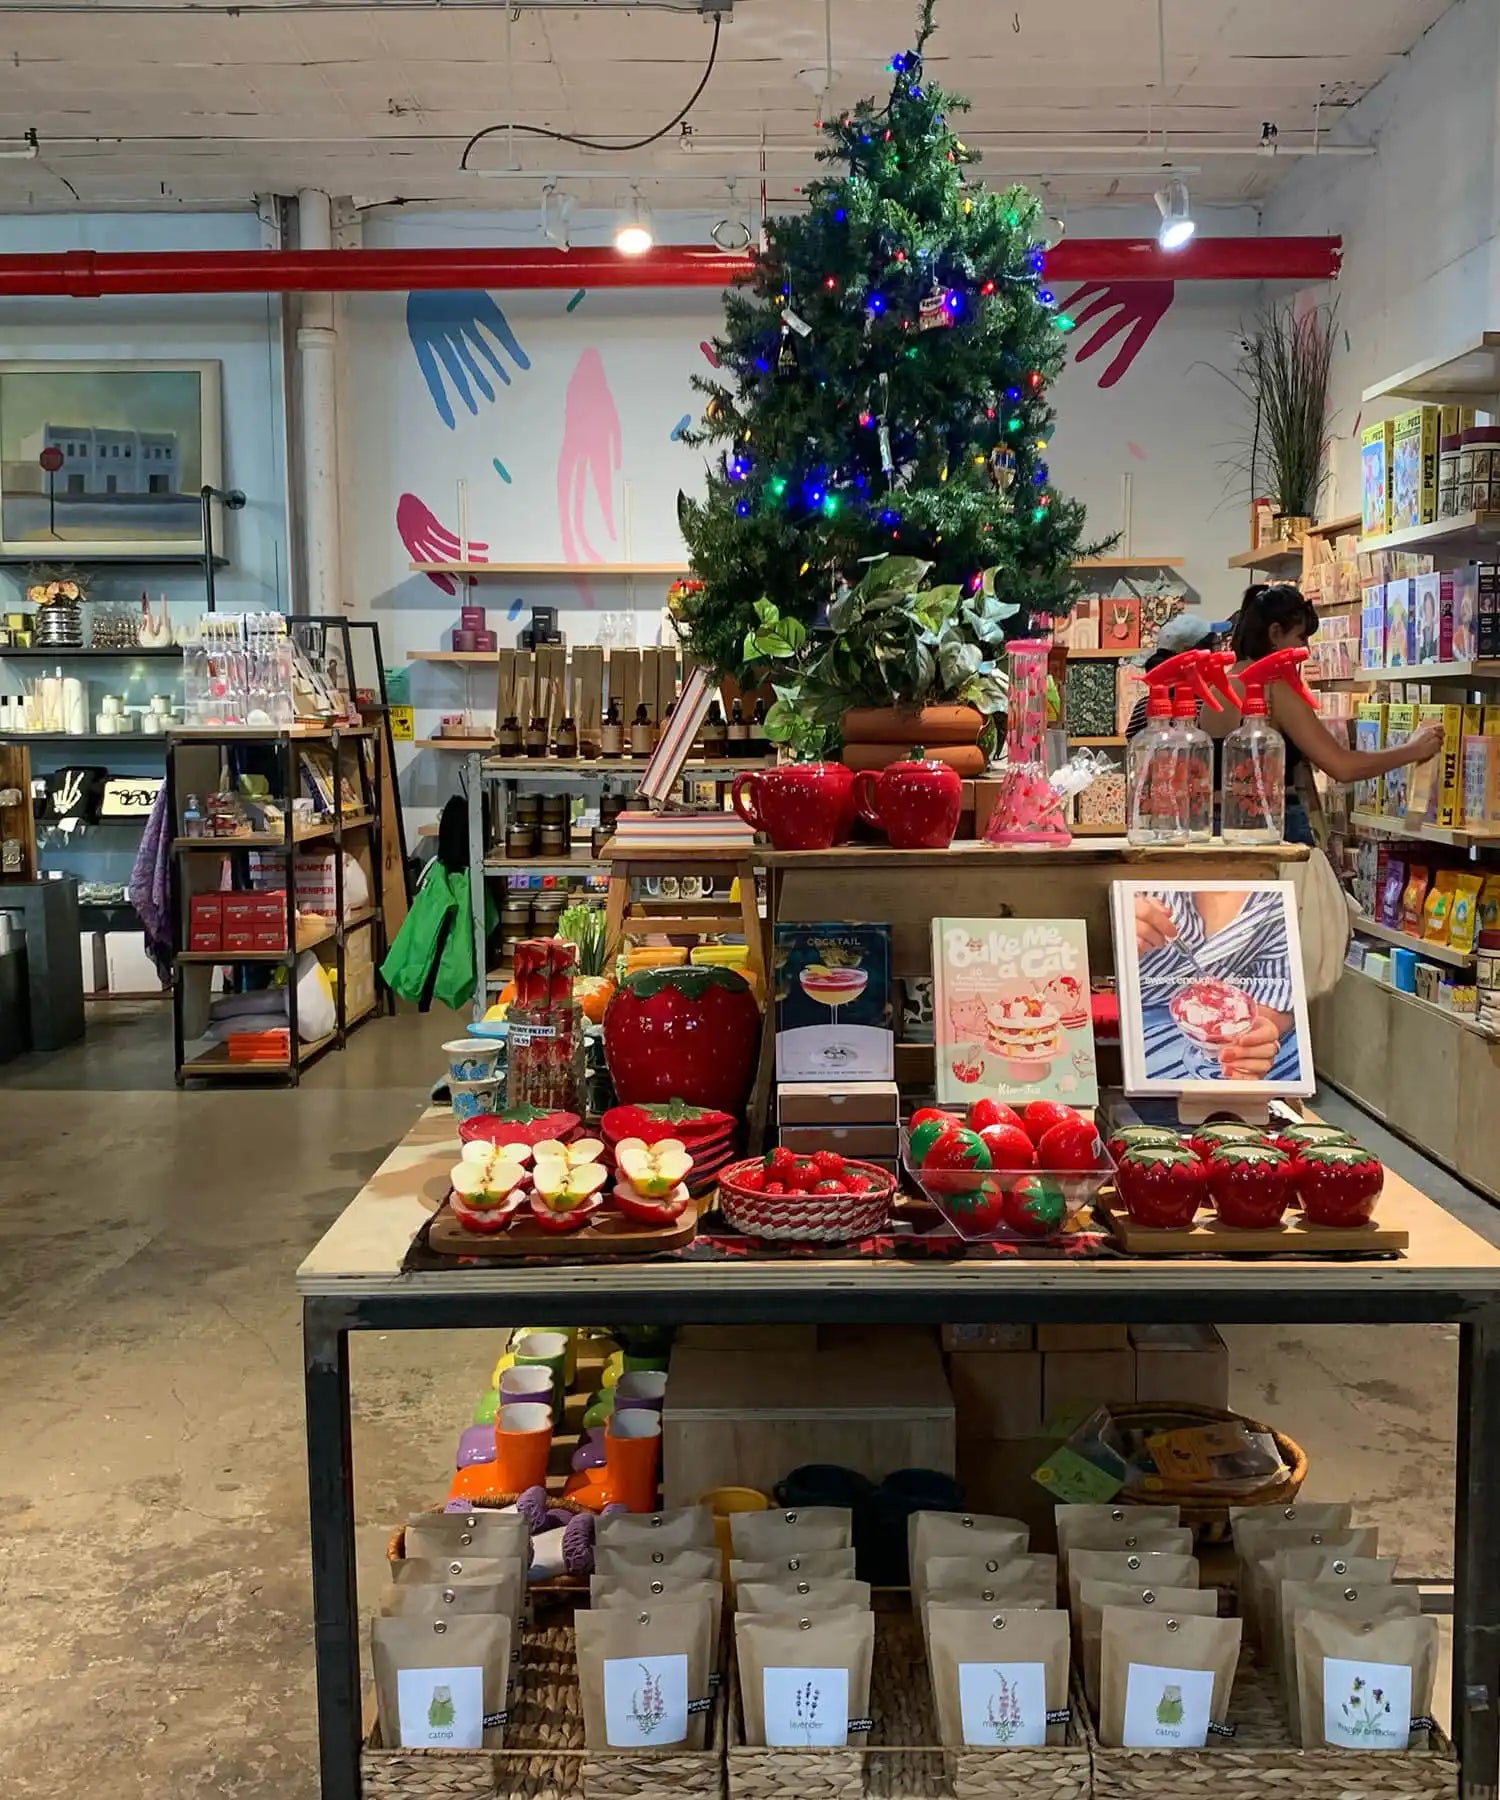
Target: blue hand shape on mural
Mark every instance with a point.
(451, 332)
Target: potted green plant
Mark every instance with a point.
(1282, 376)
(899, 666)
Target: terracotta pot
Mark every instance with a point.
(800, 806)
(907, 726)
(916, 804)
(967, 760)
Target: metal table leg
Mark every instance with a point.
(330, 1486)
(1476, 1620)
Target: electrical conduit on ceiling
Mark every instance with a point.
(88, 274)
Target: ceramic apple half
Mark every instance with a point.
(580, 1151)
(650, 1209)
(486, 1183)
(653, 1170)
(562, 1185)
(478, 1151)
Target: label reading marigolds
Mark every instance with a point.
(1366, 1706)
(1004, 1705)
(805, 1707)
(1167, 1709)
(440, 1708)
(645, 1701)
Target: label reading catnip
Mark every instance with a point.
(441, 1708)
(1167, 1709)
(1366, 1706)
(804, 1707)
(645, 1701)
(1003, 1704)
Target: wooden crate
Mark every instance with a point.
(734, 1420)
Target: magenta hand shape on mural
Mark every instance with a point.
(1135, 308)
(590, 456)
(427, 540)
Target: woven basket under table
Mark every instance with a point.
(1261, 1763)
(903, 1760)
(544, 1756)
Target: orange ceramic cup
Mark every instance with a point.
(523, 1442)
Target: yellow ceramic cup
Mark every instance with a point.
(721, 1502)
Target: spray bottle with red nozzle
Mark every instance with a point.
(1170, 764)
(1255, 754)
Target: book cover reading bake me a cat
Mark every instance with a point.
(1011, 1011)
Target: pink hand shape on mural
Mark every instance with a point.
(427, 540)
(590, 456)
(1134, 308)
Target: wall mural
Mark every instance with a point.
(1135, 308)
(427, 539)
(450, 332)
(466, 350)
(590, 457)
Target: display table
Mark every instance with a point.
(356, 1280)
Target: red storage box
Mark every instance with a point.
(236, 941)
(206, 940)
(238, 911)
(205, 914)
(269, 937)
(270, 909)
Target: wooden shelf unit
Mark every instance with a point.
(1463, 532)
(1468, 376)
(1269, 557)
(1387, 934)
(357, 757)
(1457, 837)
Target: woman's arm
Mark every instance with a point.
(1295, 719)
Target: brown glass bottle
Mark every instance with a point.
(612, 732)
(642, 732)
(508, 740)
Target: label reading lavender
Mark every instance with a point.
(804, 1707)
(645, 1701)
(1004, 1705)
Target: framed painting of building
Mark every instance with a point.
(106, 459)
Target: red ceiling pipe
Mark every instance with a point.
(89, 274)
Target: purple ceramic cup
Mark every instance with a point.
(477, 1445)
(641, 1388)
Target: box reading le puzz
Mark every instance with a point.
(833, 1002)
(1012, 1012)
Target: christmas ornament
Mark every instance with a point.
(1002, 468)
(935, 311)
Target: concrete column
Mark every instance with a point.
(317, 355)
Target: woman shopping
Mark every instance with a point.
(1281, 618)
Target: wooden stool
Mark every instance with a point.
(626, 918)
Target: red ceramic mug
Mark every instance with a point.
(916, 804)
(800, 806)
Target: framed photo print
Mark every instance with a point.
(102, 459)
(1211, 990)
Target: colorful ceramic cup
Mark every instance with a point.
(523, 1441)
(524, 1382)
(724, 1501)
(472, 1059)
(632, 1449)
(640, 1388)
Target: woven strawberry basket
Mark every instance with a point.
(806, 1218)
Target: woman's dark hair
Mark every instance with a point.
(1264, 606)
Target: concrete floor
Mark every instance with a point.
(153, 1580)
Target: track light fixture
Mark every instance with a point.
(633, 235)
(1177, 224)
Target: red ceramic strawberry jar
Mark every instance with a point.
(916, 804)
(692, 1034)
(800, 806)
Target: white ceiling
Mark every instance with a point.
(164, 103)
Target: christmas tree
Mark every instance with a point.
(883, 390)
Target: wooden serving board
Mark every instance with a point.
(610, 1234)
(1207, 1237)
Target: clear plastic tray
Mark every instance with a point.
(948, 1190)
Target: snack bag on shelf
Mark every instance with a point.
(1414, 900)
(1392, 887)
(1463, 912)
(1437, 906)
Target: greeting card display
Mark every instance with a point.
(1011, 1010)
(833, 1002)
(1211, 990)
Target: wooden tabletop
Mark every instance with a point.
(1082, 850)
(363, 1252)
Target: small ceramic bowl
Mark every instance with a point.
(472, 1099)
(471, 1059)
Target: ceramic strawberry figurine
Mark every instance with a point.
(692, 1034)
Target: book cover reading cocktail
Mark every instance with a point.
(1011, 1011)
(833, 1003)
